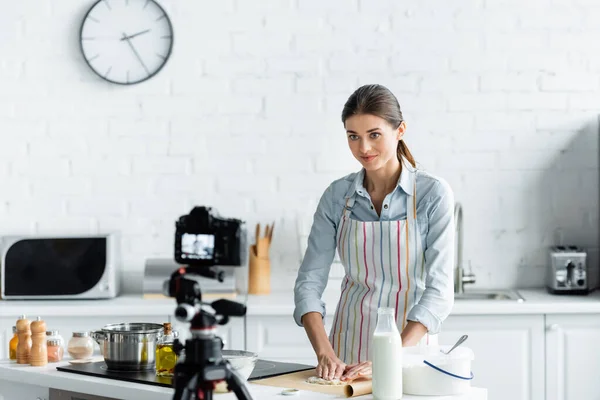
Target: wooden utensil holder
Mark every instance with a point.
(262, 247)
(259, 273)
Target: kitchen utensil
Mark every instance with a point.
(259, 266)
(297, 380)
(269, 233)
(458, 343)
(262, 247)
(24, 341)
(81, 345)
(427, 371)
(38, 356)
(243, 362)
(259, 274)
(129, 346)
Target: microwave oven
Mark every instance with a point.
(59, 267)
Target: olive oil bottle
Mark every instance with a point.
(165, 355)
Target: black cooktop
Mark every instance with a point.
(263, 369)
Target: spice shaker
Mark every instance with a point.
(39, 348)
(24, 335)
(55, 350)
(81, 346)
(55, 334)
(56, 345)
(12, 345)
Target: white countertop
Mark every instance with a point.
(49, 377)
(537, 301)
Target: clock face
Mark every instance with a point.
(126, 41)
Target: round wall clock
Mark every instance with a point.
(126, 41)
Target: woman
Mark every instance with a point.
(393, 227)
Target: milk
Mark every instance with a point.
(387, 358)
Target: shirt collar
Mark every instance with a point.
(405, 181)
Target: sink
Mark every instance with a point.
(490, 294)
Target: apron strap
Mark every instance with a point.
(411, 204)
(348, 207)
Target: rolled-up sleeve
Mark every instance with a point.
(314, 270)
(438, 297)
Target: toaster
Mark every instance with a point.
(567, 271)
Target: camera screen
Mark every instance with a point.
(197, 246)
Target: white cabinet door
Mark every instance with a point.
(232, 333)
(509, 353)
(22, 391)
(278, 338)
(573, 357)
(5, 336)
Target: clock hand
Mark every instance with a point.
(135, 34)
(136, 53)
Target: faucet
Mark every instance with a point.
(460, 277)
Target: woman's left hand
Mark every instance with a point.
(358, 370)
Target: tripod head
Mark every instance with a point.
(203, 366)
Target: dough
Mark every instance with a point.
(320, 381)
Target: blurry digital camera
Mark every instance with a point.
(203, 238)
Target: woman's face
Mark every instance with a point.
(372, 140)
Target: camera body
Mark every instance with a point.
(203, 238)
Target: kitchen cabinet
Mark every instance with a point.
(573, 357)
(11, 390)
(509, 353)
(5, 335)
(278, 338)
(509, 349)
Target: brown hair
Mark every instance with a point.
(379, 101)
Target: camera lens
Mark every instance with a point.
(185, 312)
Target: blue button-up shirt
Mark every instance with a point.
(435, 219)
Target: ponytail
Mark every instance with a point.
(403, 152)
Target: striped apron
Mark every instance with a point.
(384, 265)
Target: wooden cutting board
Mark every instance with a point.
(297, 380)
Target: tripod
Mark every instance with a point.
(203, 366)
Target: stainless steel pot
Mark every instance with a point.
(130, 346)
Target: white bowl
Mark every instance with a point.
(420, 379)
(243, 362)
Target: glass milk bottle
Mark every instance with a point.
(387, 357)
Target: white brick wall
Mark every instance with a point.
(501, 98)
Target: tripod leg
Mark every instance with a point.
(239, 388)
(207, 393)
(187, 391)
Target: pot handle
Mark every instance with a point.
(98, 336)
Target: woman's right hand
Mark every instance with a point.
(330, 367)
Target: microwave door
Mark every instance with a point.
(54, 267)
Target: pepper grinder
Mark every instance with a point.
(24, 345)
(39, 347)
